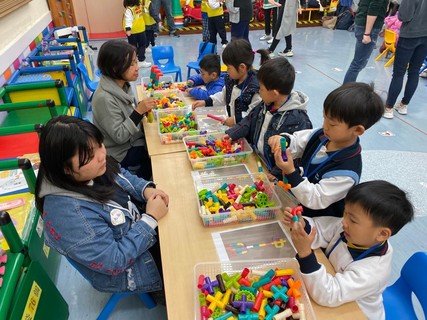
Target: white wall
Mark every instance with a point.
(19, 28)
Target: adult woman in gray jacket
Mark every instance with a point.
(115, 110)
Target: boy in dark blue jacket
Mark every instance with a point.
(282, 110)
(210, 77)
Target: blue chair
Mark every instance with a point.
(90, 84)
(116, 297)
(204, 49)
(166, 53)
(413, 279)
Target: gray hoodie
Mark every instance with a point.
(413, 14)
(112, 107)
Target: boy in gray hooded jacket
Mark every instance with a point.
(282, 110)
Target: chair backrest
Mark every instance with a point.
(83, 71)
(415, 275)
(389, 37)
(163, 53)
(206, 48)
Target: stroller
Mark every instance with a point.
(192, 12)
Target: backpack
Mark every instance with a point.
(345, 20)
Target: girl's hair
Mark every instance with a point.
(131, 3)
(265, 56)
(114, 58)
(238, 51)
(61, 139)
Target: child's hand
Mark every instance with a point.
(274, 142)
(286, 166)
(145, 105)
(150, 192)
(188, 90)
(190, 83)
(229, 122)
(198, 104)
(287, 218)
(301, 240)
(156, 207)
(128, 33)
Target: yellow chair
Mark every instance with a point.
(390, 46)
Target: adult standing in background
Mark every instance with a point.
(167, 6)
(233, 17)
(241, 29)
(367, 25)
(411, 50)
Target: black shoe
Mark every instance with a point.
(156, 34)
(174, 33)
(159, 297)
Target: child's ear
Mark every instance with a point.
(383, 234)
(359, 130)
(243, 67)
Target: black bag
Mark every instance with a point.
(345, 20)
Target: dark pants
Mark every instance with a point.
(139, 41)
(275, 42)
(410, 51)
(150, 37)
(240, 30)
(167, 6)
(137, 161)
(205, 27)
(217, 25)
(270, 13)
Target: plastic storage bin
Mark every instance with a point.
(145, 81)
(211, 269)
(219, 160)
(208, 124)
(246, 214)
(175, 137)
(158, 95)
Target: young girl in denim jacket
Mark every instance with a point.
(93, 211)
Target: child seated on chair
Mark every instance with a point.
(330, 157)
(210, 77)
(356, 245)
(240, 93)
(96, 213)
(281, 110)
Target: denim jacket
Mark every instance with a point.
(104, 241)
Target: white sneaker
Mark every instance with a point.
(144, 64)
(286, 54)
(388, 113)
(423, 74)
(271, 55)
(265, 38)
(147, 50)
(401, 108)
(270, 41)
(224, 45)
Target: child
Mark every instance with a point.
(356, 245)
(285, 26)
(216, 22)
(92, 209)
(330, 157)
(210, 77)
(134, 26)
(241, 28)
(150, 25)
(205, 25)
(281, 110)
(240, 93)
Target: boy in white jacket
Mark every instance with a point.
(356, 245)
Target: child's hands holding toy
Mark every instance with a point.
(287, 166)
(288, 217)
(190, 83)
(274, 142)
(301, 240)
(229, 122)
(198, 103)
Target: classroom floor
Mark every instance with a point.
(394, 150)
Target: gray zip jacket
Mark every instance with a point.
(112, 107)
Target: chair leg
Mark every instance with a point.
(180, 76)
(188, 72)
(148, 300)
(110, 305)
(382, 54)
(390, 61)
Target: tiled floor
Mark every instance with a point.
(394, 150)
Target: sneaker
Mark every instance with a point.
(265, 38)
(286, 53)
(224, 45)
(401, 108)
(270, 41)
(271, 55)
(156, 34)
(147, 50)
(174, 33)
(388, 113)
(423, 74)
(144, 64)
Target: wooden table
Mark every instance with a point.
(185, 241)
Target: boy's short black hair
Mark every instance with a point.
(238, 51)
(131, 3)
(211, 63)
(354, 103)
(386, 204)
(277, 74)
(114, 58)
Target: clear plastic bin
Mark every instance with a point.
(165, 93)
(145, 81)
(174, 137)
(227, 217)
(220, 160)
(208, 124)
(211, 269)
